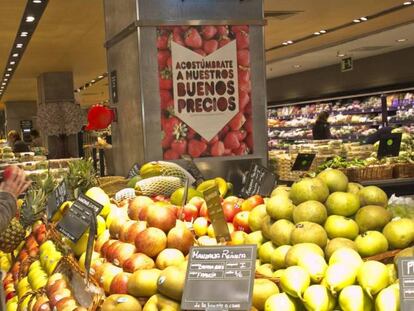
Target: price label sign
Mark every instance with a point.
(134, 171)
(220, 278)
(192, 168)
(77, 219)
(406, 276)
(259, 180)
(56, 199)
(216, 214)
(389, 145)
(303, 162)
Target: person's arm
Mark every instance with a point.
(10, 189)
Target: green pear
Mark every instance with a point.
(339, 276)
(400, 232)
(263, 289)
(388, 299)
(346, 255)
(315, 265)
(278, 256)
(294, 281)
(392, 273)
(298, 250)
(280, 207)
(371, 243)
(256, 216)
(265, 252)
(338, 243)
(265, 270)
(353, 298)
(373, 277)
(279, 302)
(316, 297)
(278, 273)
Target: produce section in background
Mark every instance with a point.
(311, 238)
(350, 119)
(205, 90)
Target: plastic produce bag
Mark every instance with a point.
(401, 206)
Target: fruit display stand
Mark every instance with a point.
(320, 243)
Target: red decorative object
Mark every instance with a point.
(99, 117)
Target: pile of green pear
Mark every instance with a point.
(317, 246)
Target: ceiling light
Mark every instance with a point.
(401, 40)
(9, 69)
(4, 83)
(100, 77)
(15, 55)
(317, 33)
(24, 34)
(364, 19)
(12, 63)
(340, 55)
(5, 79)
(19, 45)
(7, 74)
(407, 3)
(30, 19)
(37, 1)
(356, 21)
(92, 81)
(322, 31)
(289, 42)
(296, 66)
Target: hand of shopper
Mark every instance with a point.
(16, 182)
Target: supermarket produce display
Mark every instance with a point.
(324, 243)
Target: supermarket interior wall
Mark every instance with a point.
(18, 111)
(368, 73)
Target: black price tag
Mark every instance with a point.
(56, 199)
(134, 171)
(259, 180)
(406, 276)
(77, 220)
(192, 168)
(220, 278)
(389, 145)
(303, 162)
(216, 214)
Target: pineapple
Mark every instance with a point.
(81, 175)
(163, 168)
(31, 211)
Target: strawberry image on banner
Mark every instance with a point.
(205, 91)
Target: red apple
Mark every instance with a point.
(241, 222)
(160, 198)
(151, 241)
(232, 199)
(119, 302)
(116, 226)
(204, 212)
(56, 287)
(138, 261)
(252, 202)
(122, 253)
(161, 217)
(54, 278)
(180, 238)
(230, 210)
(102, 238)
(119, 284)
(197, 202)
(41, 237)
(137, 205)
(133, 231)
(66, 304)
(23, 255)
(111, 250)
(124, 230)
(59, 295)
(42, 304)
(188, 213)
(105, 246)
(10, 295)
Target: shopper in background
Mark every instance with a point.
(321, 128)
(36, 140)
(17, 144)
(10, 189)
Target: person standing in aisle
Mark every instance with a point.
(10, 189)
(321, 128)
(36, 140)
(17, 144)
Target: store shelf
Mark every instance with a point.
(332, 125)
(397, 186)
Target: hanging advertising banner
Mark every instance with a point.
(205, 90)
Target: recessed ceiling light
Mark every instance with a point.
(30, 19)
(296, 66)
(340, 55)
(100, 77)
(317, 33)
(19, 45)
(24, 34)
(92, 81)
(401, 40)
(5, 79)
(289, 42)
(15, 54)
(407, 3)
(12, 63)
(364, 19)
(356, 21)
(7, 74)
(322, 31)
(37, 1)
(9, 69)
(4, 83)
